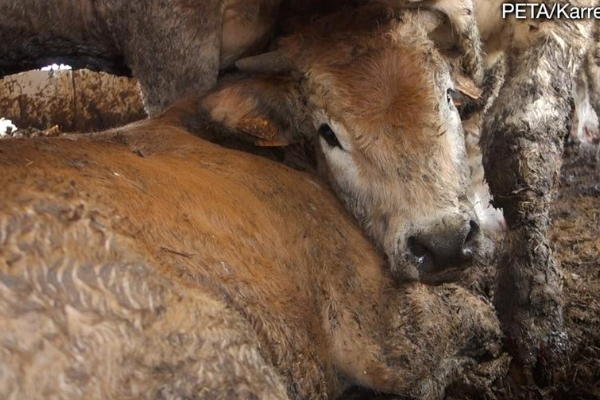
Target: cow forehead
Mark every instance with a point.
(388, 99)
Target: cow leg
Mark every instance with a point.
(461, 15)
(462, 20)
(522, 155)
(174, 50)
(172, 47)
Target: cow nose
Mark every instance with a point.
(445, 245)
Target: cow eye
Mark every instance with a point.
(329, 135)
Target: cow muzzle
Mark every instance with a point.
(440, 250)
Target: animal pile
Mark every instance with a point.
(178, 257)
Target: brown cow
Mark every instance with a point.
(154, 264)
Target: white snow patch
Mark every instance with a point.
(56, 67)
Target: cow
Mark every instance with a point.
(148, 262)
(174, 48)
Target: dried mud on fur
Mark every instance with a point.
(575, 239)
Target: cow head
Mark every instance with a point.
(375, 98)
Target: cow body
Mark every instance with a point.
(144, 267)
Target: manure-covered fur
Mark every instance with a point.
(154, 264)
(522, 140)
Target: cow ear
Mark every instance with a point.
(265, 110)
(467, 97)
(467, 87)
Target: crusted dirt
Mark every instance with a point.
(575, 235)
(75, 101)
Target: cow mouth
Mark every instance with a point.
(447, 275)
(432, 272)
(424, 269)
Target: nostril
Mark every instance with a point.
(446, 244)
(473, 232)
(416, 248)
(474, 226)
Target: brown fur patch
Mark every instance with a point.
(388, 99)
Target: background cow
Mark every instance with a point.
(174, 48)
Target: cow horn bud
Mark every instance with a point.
(273, 61)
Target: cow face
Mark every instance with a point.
(373, 95)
